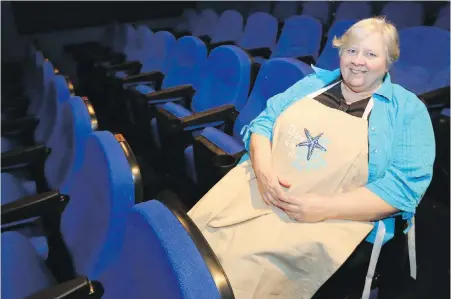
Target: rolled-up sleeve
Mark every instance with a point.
(410, 173)
(263, 123)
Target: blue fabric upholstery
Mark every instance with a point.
(206, 23)
(395, 12)
(188, 58)
(144, 89)
(353, 11)
(23, 270)
(284, 10)
(442, 20)
(229, 27)
(424, 66)
(67, 142)
(49, 112)
(329, 58)
(188, 18)
(320, 10)
(177, 110)
(260, 31)
(227, 143)
(101, 193)
(158, 54)
(158, 259)
(274, 77)
(224, 80)
(301, 36)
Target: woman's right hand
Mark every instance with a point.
(270, 187)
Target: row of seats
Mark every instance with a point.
(301, 38)
(87, 231)
(206, 22)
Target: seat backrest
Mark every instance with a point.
(38, 82)
(187, 60)
(206, 23)
(353, 11)
(141, 44)
(50, 110)
(67, 142)
(188, 17)
(285, 9)
(423, 66)
(101, 193)
(404, 14)
(229, 27)
(329, 58)
(320, 10)
(260, 31)
(160, 257)
(442, 20)
(159, 50)
(274, 77)
(301, 36)
(131, 43)
(120, 38)
(23, 270)
(226, 79)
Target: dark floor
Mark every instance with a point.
(433, 251)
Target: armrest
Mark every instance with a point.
(222, 113)
(306, 59)
(33, 206)
(78, 288)
(154, 76)
(211, 46)
(262, 52)
(439, 96)
(126, 66)
(11, 126)
(24, 155)
(183, 91)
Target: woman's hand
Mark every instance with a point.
(306, 208)
(270, 187)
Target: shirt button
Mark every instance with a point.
(373, 129)
(374, 151)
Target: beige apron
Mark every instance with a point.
(264, 253)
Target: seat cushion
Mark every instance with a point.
(225, 142)
(23, 271)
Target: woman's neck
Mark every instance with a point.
(352, 96)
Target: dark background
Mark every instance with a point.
(43, 16)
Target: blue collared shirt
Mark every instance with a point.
(401, 141)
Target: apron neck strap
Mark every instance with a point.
(368, 108)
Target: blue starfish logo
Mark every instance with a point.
(311, 143)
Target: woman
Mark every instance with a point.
(329, 157)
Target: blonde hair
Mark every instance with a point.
(367, 26)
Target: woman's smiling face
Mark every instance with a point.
(363, 62)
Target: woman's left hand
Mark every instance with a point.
(306, 208)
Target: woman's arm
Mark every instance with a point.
(404, 182)
(359, 204)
